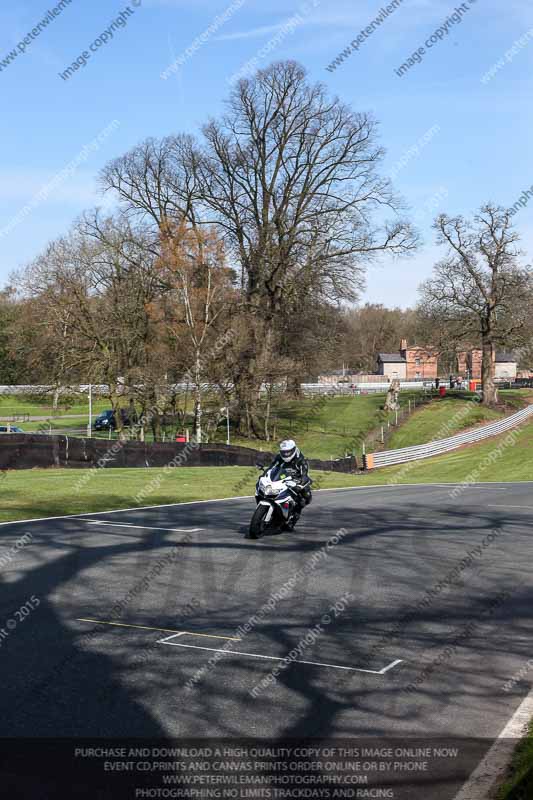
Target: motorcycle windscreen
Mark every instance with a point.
(278, 473)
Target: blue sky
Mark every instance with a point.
(478, 147)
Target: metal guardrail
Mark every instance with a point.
(367, 388)
(405, 454)
(311, 388)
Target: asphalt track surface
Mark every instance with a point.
(189, 568)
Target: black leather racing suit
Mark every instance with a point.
(296, 468)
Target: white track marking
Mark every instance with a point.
(138, 527)
(276, 658)
(161, 630)
(123, 510)
(390, 666)
(491, 770)
(487, 484)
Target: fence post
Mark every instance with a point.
(382, 435)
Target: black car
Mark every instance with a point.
(106, 420)
(10, 429)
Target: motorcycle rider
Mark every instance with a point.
(292, 462)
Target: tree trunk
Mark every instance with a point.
(197, 427)
(294, 386)
(267, 413)
(115, 405)
(197, 400)
(247, 394)
(490, 392)
(254, 358)
(155, 414)
(156, 427)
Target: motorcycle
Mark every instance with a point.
(278, 502)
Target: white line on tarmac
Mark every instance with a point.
(488, 484)
(275, 658)
(162, 630)
(138, 527)
(123, 510)
(492, 769)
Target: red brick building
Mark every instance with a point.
(421, 362)
(469, 364)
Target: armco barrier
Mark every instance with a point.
(405, 454)
(362, 387)
(26, 451)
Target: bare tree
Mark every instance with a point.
(291, 176)
(157, 180)
(15, 353)
(481, 284)
(99, 280)
(193, 268)
(373, 328)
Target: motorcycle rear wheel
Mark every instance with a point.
(258, 524)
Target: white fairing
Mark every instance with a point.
(273, 489)
(270, 511)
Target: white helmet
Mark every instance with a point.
(288, 450)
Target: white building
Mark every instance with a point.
(394, 365)
(505, 367)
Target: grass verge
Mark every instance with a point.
(28, 494)
(37, 406)
(324, 427)
(519, 783)
(440, 419)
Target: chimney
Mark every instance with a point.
(403, 345)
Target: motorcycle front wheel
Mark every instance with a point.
(258, 524)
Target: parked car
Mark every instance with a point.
(10, 429)
(106, 420)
